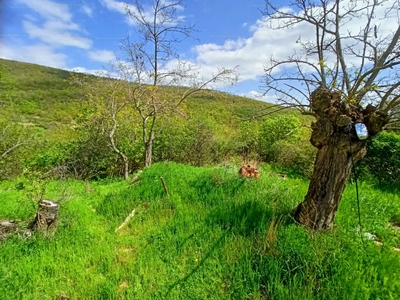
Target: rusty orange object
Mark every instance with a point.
(249, 171)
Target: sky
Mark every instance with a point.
(85, 35)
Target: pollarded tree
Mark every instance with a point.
(153, 64)
(345, 69)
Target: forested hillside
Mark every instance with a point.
(50, 125)
(53, 124)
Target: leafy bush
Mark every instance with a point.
(283, 127)
(382, 162)
(295, 156)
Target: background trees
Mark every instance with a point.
(152, 62)
(107, 104)
(342, 75)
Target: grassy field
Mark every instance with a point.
(215, 236)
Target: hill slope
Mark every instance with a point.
(54, 124)
(41, 95)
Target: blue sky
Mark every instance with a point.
(84, 35)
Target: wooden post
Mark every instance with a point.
(164, 185)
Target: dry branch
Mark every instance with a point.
(126, 220)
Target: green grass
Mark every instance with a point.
(215, 236)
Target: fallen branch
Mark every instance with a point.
(19, 143)
(378, 243)
(283, 175)
(126, 220)
(136, 179)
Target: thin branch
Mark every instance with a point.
(18, 144)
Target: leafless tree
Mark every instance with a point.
(344, 70)
(154, 64)
(108, 96)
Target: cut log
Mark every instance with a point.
(126, 220)
(6, 228)
(46, 217)
(284, 176)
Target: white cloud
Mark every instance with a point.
(51, 25)
(104, 56)
(41, 54)
(123, 7)
(56, 34)
(49, 9)
(83, 70)
(87, 10)
(261, 97)
(57, 28)
(250, 54)
(253, 54)
(114, 5)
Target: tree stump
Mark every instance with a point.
(46, 216)
(6, 228)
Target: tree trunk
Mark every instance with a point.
(331, 171)
(126, 168)
(338, 145)
(148, 153)
(46, 216)
(115, 148)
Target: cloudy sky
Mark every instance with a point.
(85, 35)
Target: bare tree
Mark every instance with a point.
(108, 97)
(343, 71)
(153, 64)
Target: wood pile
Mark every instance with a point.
(249, 171)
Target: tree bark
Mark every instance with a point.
(148, 153)
(46, 216)
(338, 147)
(331, 171)
(115, 148)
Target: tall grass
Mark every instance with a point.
(215, 236)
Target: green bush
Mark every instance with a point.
(295, 156)
(382, 162)
(283, 127)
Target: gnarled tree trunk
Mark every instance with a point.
(338, 147)
(331, 172)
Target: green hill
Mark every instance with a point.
(51, 121)
(41, 95)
